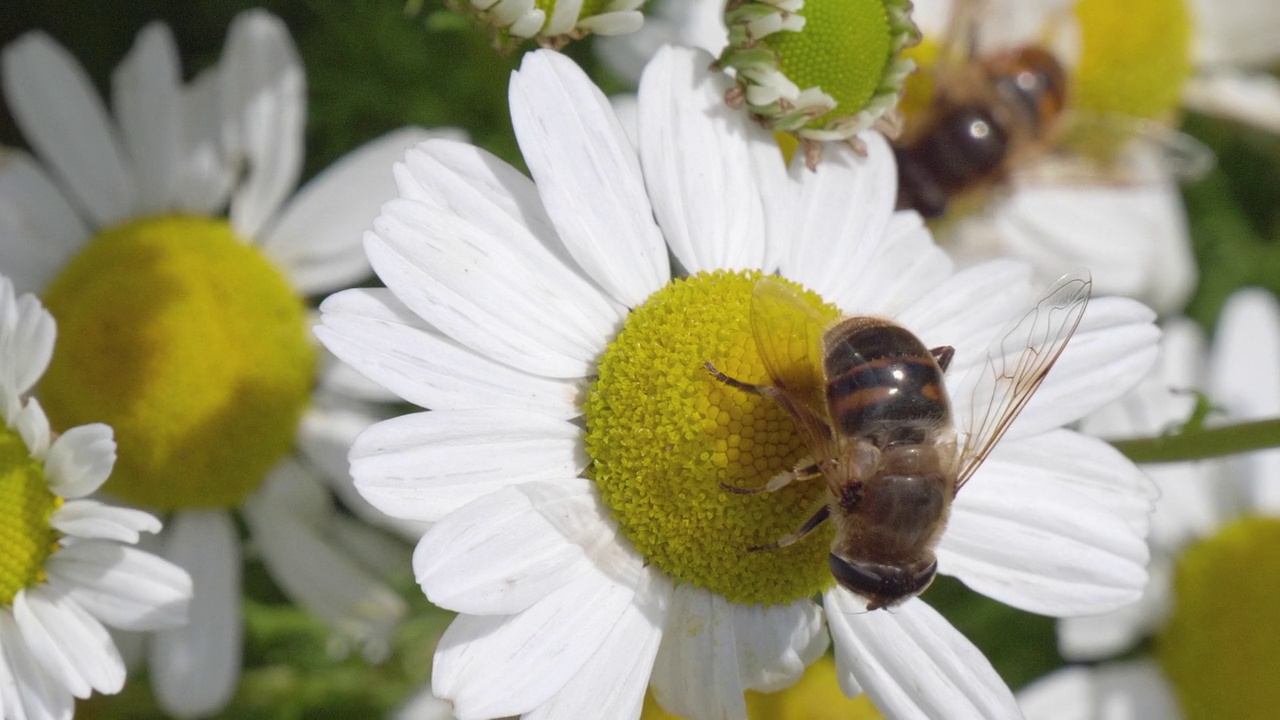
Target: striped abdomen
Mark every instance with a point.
(883, 383)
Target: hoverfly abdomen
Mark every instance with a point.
(883, 383)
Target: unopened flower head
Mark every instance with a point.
(164, 240)
(819, 69)
(553, 23)
(67, 567)
(575, 457)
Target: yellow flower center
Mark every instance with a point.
(845, 49)
(1220, 648)
(1134, 56)
(664, 436)
(25, 506)
(192, 346)
(815, 696)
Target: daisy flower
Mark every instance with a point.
(164, 239)
(572, 458)
(67, 567)
(551, 22)
(1213, 571)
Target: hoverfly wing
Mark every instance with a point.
(1016, 364)
(789, 337)
(1111, 149)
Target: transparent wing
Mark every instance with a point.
(1115, 149)
(788, 332)
(1017, 362)
(959, 42)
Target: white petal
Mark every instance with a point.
(53, 102)
(1097, 637)
(80, 460)
(92, 519)
(496, 198)
(613, 681)
(696, 674)
(383, 340)
(27, 692)
(33, 425)
(1238, 33)
(122, 586)
(588, 176)
(907, 264)
(207, 173)
(70, 644)
(693, 148)
(424, 705)
(338, 378)
(776, 643)
(1115, 691)
(912, 663)
(844, 208)
(424, 466)
(508, 550)
(291, 535)
(496, 665)
(27, 333)
(322, 225)
(146, 95)
(1114, 347)
(263, 109)
(1048, 531)
(480, 291)
(39, 230)
(1250, 97)
(194, 669)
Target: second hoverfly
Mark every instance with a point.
(869, 400)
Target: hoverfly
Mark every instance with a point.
(869, 399)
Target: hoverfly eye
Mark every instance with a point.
(854, 577)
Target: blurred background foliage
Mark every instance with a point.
(372, 67)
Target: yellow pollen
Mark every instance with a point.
(1220, 647)
(845, 48)
(663, 435)
(192, 346)
(26, 539)
(1134, 58)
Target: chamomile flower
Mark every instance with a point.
(551, 22)
(164, 239)
(572, 458)
(1211, 600)
(67, 566)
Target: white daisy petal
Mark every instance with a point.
(387, 343)
(529, 651)
(146, 96)
(33, 425)
(704, 194)
(338, 378)
(696, 674)
(263, 108)
(907, 263)
(613, 681)
(1047, 525)
(588, 176)
(69, 643)
(912, 663)
(194, 668)
(26, 338)
(289, 530)
(1114, 347)
(53, 102)
(776, 643)
(27, 692)
(1250, 97)
(1097, 637)
(475, 288)
(324, 222)
(39, 230)
(506, 551)
(1115, 691)
(122, 586)
(207, 175)
(426, 465)
(80, 460)
(91, 519)
(495, 197)
(844, 208)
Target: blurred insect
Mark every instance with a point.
(870, 401)
(995, 114)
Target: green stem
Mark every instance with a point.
(1203, 443)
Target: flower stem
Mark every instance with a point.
(1202, 443)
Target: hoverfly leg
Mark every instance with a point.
(745, 387)
(817, 519)
(943, 355)
(805, 470)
